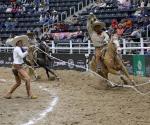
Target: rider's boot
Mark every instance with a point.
(98, 66)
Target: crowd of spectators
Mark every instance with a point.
(132, 26)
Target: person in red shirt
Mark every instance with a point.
(114, 24)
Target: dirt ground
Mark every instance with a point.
(83, 99)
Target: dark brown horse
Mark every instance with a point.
(38, 57)
(112, 63)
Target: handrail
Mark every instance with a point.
(80, 3)
(147, 31)
(48, 25)
(92, 1)
(63, 13)
(86, 2)
(87, 48)
(71, 10)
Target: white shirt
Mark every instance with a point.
(18, 55)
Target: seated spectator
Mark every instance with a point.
(145, 21)
(114, 24)
(127, 4)
(86, 37)
(8, 10)
(1, 42)
(124, 4)
(144, 11)
(148, 5)
(120, 30)
(137, 12)
(8, 41)
(128, 31)
(128, 24)
(79, 36)
(41, 20)
(136, 35)
(142, 4)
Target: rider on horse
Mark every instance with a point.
(98, 37)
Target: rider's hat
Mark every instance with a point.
(23, 38)
(99, 24)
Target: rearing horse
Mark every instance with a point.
(38, 57)
(112, 63)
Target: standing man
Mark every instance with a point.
(18, 70)
(98, 37)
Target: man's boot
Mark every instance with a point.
(98, 67)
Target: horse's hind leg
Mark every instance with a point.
(48, 70)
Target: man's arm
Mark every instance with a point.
(20, 53)
(106, 37)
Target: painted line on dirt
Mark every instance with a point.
(2, 80)
(43, 114)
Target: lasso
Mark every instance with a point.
(110, 82)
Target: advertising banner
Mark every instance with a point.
(129, 63)
(6, 59)
(139, 65)
(70, 61)
(147, 65)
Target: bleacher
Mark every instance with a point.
(27, 20)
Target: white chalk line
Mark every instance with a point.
(2, 80)
(43, 114)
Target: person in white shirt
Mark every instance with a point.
(19, 71)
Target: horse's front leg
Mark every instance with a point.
(47, 73)
(124, 70)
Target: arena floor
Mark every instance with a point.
(79, 98)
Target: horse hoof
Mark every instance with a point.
(51, 78)
(38, 77)
(57, 78)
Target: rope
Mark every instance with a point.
(111, 83)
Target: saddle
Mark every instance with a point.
(103, 51)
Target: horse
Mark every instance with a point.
(111, 63)
(38, 58)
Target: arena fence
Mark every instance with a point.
(73, 47)
(138, 64)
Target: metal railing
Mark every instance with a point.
(147, 31)
(63, 14)
(72, 8)
(46, 25)
(80, 4)
(87, 48)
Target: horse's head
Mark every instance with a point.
(112, 46)
(91, 19)
(43, 46)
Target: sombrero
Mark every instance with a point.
(23, 38)
(99, 24)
